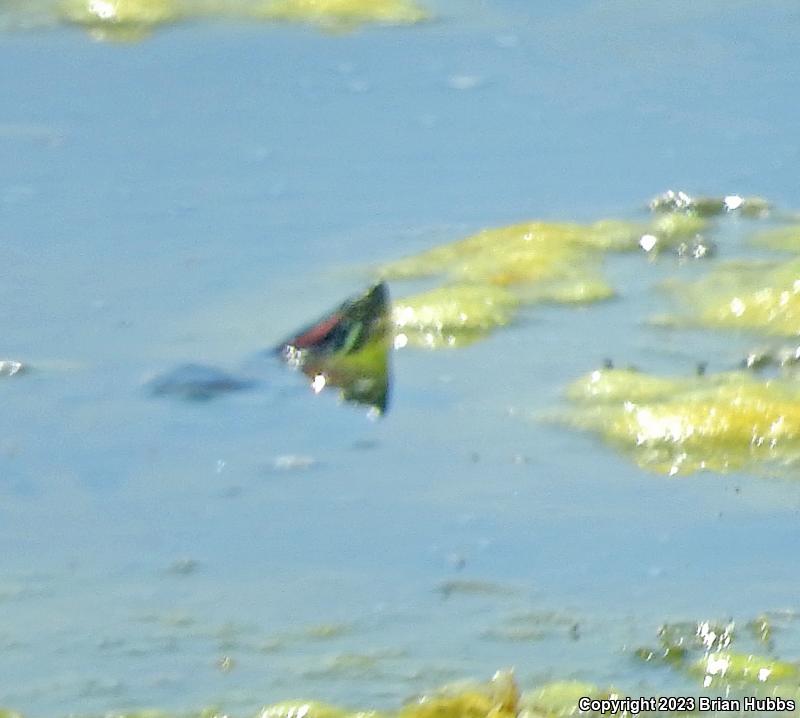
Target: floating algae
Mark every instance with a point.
(362, 666)
(472, 587)
(743, 669)
(785, 356)
(514, 634)
(328, 631)
(491, 245)
(533, 251)
(760, 296)
(683, 234)
(526, 252)
(501, 698)
(131, 20)
(720, 422)
(498, 699)
(451, 316)
(672, 201)
(534, 626)
(304, 709)
(532, 261)
(489, 274)
(704, 650)
(679, 641)
(120, 20)
(354, 666)
(342, 13)
(781, 238)
(576, 287)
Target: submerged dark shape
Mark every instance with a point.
(197, 382)
(348, 349)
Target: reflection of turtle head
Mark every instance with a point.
(348, 348)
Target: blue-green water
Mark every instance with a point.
(198, 195)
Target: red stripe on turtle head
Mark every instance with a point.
(317, 333)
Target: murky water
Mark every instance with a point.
(199, 195)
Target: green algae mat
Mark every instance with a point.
(672, 425)
(132, 20)
(484, 279)
(733, 420)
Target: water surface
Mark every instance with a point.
(199, 195)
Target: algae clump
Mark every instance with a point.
(760, 296)
(531, 262)
(678, 641)
(451, 316)
(302, 709)
(541, 242)
(526, 252)
(541, 261)
(120, 20)
(672, 201)
(343, 13)
(532, 251)
(132, 20)
(704, 649)
(489, 274)
(497, 699)
(743, 668)
(720, 423)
